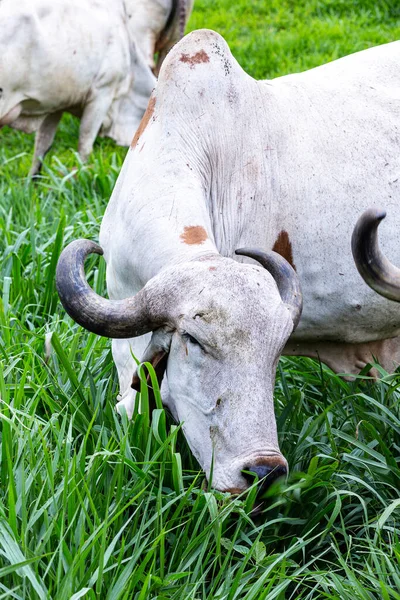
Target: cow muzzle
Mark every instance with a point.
(265, 475)
(260, 470)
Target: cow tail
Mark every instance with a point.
(178, 14)
(182, 17)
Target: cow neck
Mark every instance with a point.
(158, 194)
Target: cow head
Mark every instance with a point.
(373, 266)
(218, 329)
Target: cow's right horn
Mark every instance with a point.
(285, 277)
(372, 265)
(110, 318)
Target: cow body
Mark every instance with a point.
(222, 161)
(288, 163)
(70, 55)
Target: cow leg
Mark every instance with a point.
(350, 358)
(43, 141)
(123, 352)
(92, 119)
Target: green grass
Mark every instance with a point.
(92, 506)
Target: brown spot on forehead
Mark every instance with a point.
(194, 235)
(283, 247)
(195, 59)
(144, 122)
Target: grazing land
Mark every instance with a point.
(92, 506)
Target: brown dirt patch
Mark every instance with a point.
(283, 247)
(195, 59)
(194, 235)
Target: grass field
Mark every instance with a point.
(92, 506)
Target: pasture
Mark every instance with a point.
(92, 506)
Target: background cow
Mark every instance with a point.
(220, 162)
(80, 56)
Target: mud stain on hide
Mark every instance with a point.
(283, 247)
(144, 122)
(194, 235)
(195, 59)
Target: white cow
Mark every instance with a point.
(70, 55)
(157, 25)
(220, 162)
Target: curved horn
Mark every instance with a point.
(110, 318)
(285, 276)
(372, 265)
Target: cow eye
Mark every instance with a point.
(1, 92)
(191, 339)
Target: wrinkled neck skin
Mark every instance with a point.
(184, 181)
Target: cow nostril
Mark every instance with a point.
(266, 474)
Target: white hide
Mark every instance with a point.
(244, 161)
(75, 56)
(148, 24)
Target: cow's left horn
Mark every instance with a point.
(285, 276)
(372, 265)
(110, 318)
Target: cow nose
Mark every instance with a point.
(266, 474)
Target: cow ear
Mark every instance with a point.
(156, 354)
(159, 362)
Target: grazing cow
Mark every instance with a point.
(75, 56)
(221, 162)
(157, 25)
(373, 266)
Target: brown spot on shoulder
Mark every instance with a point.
(195, 59)
(283, 247)
(144, 122)
(194, 235)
